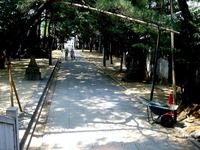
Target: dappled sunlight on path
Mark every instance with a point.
(161, 93)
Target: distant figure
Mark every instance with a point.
(72, 54)
(66, 53)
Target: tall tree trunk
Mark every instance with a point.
(104, 56)
(111, 58)
(90, 44)
(39, 27)
(45, 31)
(50, 40)
(188, 31)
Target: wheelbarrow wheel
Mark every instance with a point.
(167, 120)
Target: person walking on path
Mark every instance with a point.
(66, 54)
(72, 54)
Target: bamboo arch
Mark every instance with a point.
(121, 16)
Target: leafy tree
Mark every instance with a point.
(18, 16)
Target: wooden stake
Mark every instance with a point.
(11, 89)
(12, 84)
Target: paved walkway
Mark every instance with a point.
(91, 112)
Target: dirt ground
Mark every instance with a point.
(188, 117)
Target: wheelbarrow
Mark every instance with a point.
(165, 112)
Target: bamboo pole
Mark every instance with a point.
(155, 64)
(120, 15)
(16, 94)
(11, 89)
(12, 84)
(172, 54)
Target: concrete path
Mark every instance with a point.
(90, 112)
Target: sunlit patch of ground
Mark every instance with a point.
(56, 54)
